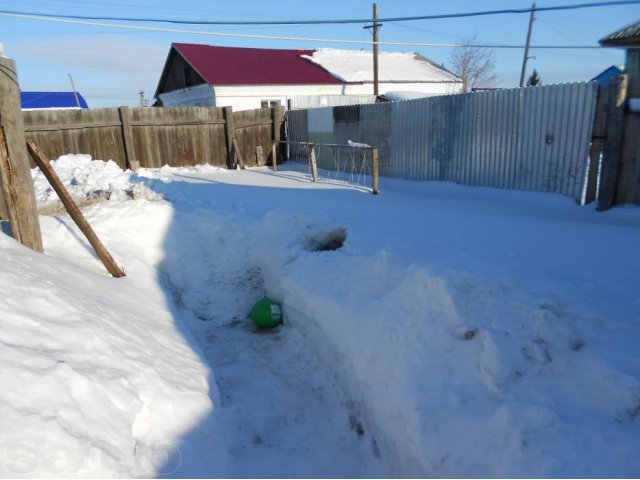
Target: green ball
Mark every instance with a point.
(266, 313)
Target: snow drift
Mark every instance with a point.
(98, 381)
(480, 333)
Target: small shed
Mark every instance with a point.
(52, 100)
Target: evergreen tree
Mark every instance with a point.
(534, 79)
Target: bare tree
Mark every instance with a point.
(474, 65)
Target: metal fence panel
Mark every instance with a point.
(534, 138)
(300, 102)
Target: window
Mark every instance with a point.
(269, 103)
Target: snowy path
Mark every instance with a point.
(282, 413)
(282, 416)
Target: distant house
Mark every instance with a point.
(604, 77)
(247, 78)
(52, 100)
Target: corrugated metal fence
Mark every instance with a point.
(534, 138)
(299, 102)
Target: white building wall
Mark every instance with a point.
(429, 88)
(248, 97)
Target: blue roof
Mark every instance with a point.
(51, 100)
(604, 77)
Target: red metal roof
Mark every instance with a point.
(253, 66)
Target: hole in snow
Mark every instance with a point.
(326, 241)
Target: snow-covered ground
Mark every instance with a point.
(458, 332)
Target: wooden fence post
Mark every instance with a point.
(276, 119)
(314, 164)
(274, 156)
(127, 139)
(74, 211)
(613, 146)
(375, 171)
(229, 131)
(597, 141)
(15, 171)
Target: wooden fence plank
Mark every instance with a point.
(15, 176)
(595, 149)
(275, 135)
(613, 146)
(127, 139)
(628, 190)
(229, 131)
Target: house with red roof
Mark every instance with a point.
(248, 78)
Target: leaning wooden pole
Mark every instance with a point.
(16, 185)
(41, 160)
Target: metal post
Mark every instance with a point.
(75, 94)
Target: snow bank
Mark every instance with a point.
(460, 374)
(355, 66)
(459, 379)
(97, 381)
(86, 180)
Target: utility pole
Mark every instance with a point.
(375, 49)
(526, 48)
(141, 93)
(75, 94)
(375, 28)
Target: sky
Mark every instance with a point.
(111, 66)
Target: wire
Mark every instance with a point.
(286, 38)
(336, 21)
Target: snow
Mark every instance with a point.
(399, 95)
(357, 144)
(458, 332)
(355, 66)
(95, 381)
(89, 180)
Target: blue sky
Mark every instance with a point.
(110, 66)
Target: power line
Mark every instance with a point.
(287, 38)
(334, 21)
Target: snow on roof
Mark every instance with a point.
(33, 100)
(356, 66)
(253, 66)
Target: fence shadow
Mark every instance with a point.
(196, 244)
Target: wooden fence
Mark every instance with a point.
(153, 137)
